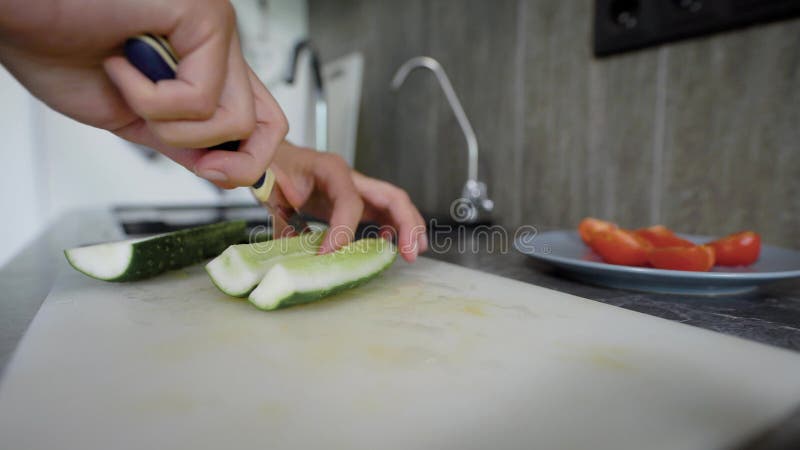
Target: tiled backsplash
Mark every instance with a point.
(703, 135)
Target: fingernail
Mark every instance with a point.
(413, 255)
(212, 175)
(325, 249)
(424, 240)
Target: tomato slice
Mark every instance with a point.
(660, 236)
(590, 226)
(618, 246)
(739, 249)
(699, 258)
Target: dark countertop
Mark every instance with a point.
(770, 315)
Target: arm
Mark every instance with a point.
(66, 52)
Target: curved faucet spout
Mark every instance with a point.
(431, 64)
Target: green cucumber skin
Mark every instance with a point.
(299, 298)
(179, 249)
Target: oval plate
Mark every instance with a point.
(565, 251)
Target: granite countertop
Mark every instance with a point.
(770, 315)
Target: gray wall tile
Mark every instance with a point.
(701, 135)
(731, 134)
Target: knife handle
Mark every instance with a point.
(156, 59)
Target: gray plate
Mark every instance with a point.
(564, 250)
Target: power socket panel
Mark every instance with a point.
(626, 25)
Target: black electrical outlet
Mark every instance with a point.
(624, 25)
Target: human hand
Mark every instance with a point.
(322, 185)
(66, 52)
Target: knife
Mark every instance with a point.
(155, 58)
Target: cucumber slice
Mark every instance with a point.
(136, 259)
(308, 278)
(239, 269)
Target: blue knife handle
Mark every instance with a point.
(156, 59)
(152, 57)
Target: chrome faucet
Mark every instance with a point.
(320, 102)
(475, 204)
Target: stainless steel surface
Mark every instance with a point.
(477, 203)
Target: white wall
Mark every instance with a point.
(269, 41)
(20, 187)
(54, 164)
(88, 167)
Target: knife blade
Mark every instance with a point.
(155, 58)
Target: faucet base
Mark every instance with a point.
(474, 205)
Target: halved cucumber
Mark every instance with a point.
(308, 278)
(239, 269)
(135, 259)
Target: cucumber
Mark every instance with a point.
(239, 269)
(136, 259)
(308, 278)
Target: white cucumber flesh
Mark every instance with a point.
(239, 269)
(136, 259)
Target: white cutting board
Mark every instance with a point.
(429, 356)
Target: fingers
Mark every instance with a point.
(323, 184)
(245, 111)
(245, 166)
(393, 202)
(279, 207)
(139, 133)
(202, 39)
(319, 183)
(333, 177)
(234, 119)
